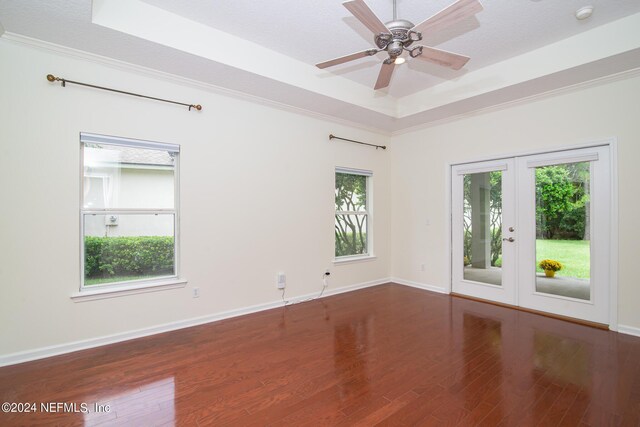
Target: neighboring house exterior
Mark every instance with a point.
(128, 178)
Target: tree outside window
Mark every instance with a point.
(352, 213)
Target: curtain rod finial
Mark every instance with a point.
(51, 77)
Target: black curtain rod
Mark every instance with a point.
(53, 78)
(331, 136)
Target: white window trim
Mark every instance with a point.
(128, 289)
(589, 157)
(116, 289)
(352, 171)
(128, 142)
(349, 259)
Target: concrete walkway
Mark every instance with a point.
(564, 286)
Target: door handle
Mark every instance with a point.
(510, 239)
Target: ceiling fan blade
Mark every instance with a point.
(442, 57)
(346, 58)
(450, 15)
(384, 78)
(361, 11)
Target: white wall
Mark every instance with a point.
(256, 198)
(419, 169)
(256, 192)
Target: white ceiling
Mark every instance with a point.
(316, 30)
(290, 36)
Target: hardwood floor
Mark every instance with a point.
(388, 355)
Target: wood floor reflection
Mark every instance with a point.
(388, 355)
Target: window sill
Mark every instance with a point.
(353, 259)
(91, 295)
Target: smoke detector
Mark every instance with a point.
(584, 12)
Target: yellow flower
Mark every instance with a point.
(550, 264)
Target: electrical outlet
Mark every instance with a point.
(327, 272)
(195, 292)
(281, 281)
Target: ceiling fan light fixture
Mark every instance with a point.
(399, 60)
(395, 48)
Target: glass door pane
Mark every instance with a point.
(482, 227)
(483, 230)
(564, 220)
(563, 224)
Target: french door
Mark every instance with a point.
(534, 231)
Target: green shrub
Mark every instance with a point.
(127, 256)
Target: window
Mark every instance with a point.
(129, 212)
(353, 213)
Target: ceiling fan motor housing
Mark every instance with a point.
(399, 38)
(399, 35)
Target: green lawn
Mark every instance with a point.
(574, 256)
(103, 280)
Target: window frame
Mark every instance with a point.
(368, 212)
(130, 286)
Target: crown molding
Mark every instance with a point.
(49, 47)
(623, 75)
(219, 90)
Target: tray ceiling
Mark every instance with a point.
(268, 49)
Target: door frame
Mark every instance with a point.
(612, 144)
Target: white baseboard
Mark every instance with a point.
(337, 291)
(55, 350)
(629, 330)
(418, 285)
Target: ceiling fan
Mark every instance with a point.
(398, 35)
